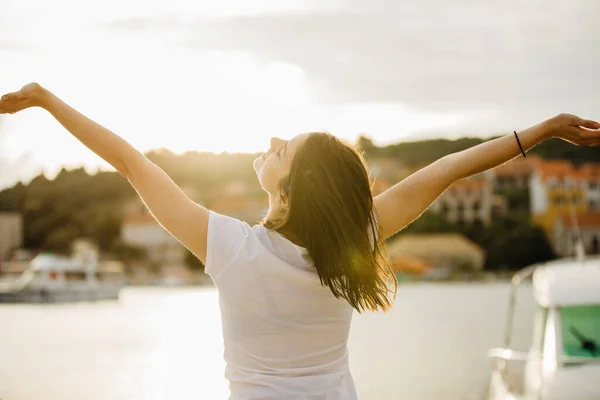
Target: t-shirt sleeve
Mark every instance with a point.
(226, 237)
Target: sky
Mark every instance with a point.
(227, 75)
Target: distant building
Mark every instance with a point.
(511, 186)
(139, 228)
(385, 172)
(451, 253)
(389, 169)
(590, 175)
(143, 230)
(467, 200)
(135, 205)
(499, 205)
(11, 232)
(557, 188)
(565, 233)
(249, 208)
(239, 199)
(410, 265)
(514, 174)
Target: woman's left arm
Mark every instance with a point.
(498, 151)
(403, 203)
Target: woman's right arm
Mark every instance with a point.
(170, 206)
(403, 203)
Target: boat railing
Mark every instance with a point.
(502, 354)
(511, 379)
(18, 284)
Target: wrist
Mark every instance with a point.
(42, 97)
(551, 127)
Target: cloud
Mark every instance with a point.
(429, 54)
(6, 45)
(8, 40)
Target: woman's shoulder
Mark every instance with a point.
(228, 239)
(221, 220)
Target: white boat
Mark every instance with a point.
(52, 278)
(563, 361)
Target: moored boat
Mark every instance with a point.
(49, 278)
(563, 360)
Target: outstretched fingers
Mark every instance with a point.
(586, 123)
(586, 136)
(7, 105)
(4, 105)
(11, 103)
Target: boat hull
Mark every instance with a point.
(75, 293)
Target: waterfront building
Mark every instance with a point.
(570, 228)
(11, 233)
(441, 254)
(558, 189)
(468, 200)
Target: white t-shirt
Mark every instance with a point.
(285, 334)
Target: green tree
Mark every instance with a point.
(431, 222)
(512, 242)
(193, 262)
(365, 143)
(517, 199)
(60, 238)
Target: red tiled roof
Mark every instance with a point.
(590, 171)
(587, 220)
(558, 169)
(411, 265)
(561, 169)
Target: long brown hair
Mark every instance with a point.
(330, 213)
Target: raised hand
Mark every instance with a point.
(30, 95)
(575, 130)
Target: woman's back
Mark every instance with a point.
(285, 334)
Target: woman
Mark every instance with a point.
(288, 286)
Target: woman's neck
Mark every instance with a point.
(273, 221)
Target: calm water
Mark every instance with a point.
(166, 344)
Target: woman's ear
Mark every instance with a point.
(284, 192)
(283, 199)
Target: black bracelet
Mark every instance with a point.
(518, 141)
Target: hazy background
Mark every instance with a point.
(228, 75)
